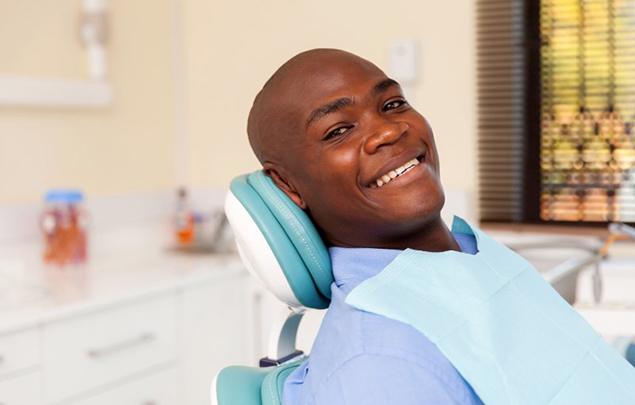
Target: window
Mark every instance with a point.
(556, 110)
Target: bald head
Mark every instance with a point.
(276, 117)
(334, 133)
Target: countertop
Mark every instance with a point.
(32, 294)
(130, 264)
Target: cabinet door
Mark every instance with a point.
(267, 313)
(93, 350)
(156, 389)
(19, 352)
(23, 390)
(214, 333)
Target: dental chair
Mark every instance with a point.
(279, 245)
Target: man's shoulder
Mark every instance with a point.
(347, 333)
(354, 348)
(384, 378)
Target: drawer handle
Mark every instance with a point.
(115, 348)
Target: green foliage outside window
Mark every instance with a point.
(587, 110)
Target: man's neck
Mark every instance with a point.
(433, 237)
(436, 237)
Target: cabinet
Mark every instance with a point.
(21, 390)
(157, 347)
(90, 351)
(265, 312)
(19, 368)
(19, 352)
(159, 388)
(213, 334)
(162, 346)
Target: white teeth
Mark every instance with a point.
(386, 178)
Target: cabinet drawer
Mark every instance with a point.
(157, 389)
(88, 351)
(24, 390)
(18, 351)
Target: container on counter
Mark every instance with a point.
(64, 228)
(184, 219)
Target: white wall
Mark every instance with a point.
(228, 50)
(126, 147)
(233, 47)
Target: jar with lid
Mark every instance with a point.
(64, 228)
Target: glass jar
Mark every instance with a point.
(64, 228)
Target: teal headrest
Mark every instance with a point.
(289, 233)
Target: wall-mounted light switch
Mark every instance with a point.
(402, 61)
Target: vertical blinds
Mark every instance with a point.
(501, 98)
(587, 152)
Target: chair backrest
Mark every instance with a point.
(280, 246)
(278, 243)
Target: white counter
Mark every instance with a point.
(138, 320)
(33, 294)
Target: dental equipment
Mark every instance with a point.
(280, 246)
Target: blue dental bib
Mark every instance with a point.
(510, 335)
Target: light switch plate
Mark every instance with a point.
(403, 60)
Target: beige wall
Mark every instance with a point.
(127, 147)
(230, 49)
(34, 34)
(233, 47)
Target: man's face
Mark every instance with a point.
(364, 161)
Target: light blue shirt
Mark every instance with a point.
(363, 358)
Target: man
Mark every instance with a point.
(339, 138)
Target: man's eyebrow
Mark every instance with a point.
(328, 108)
(384, 85)
(340, 103)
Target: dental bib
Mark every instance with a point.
(508, 333)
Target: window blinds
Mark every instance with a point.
(501, 98)
(556, 86)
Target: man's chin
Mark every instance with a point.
(419, 199)
(411, 215)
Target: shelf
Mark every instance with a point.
(42, 92)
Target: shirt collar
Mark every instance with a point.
(351, 266)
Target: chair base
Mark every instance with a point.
(240, 385)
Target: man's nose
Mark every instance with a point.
(385, 132)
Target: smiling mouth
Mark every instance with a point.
(397, 172)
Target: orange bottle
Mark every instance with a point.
(64, 228)
(184, 221)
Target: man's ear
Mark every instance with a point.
(284, 184)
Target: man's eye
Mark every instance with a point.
(336, 132)
(393, 104)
